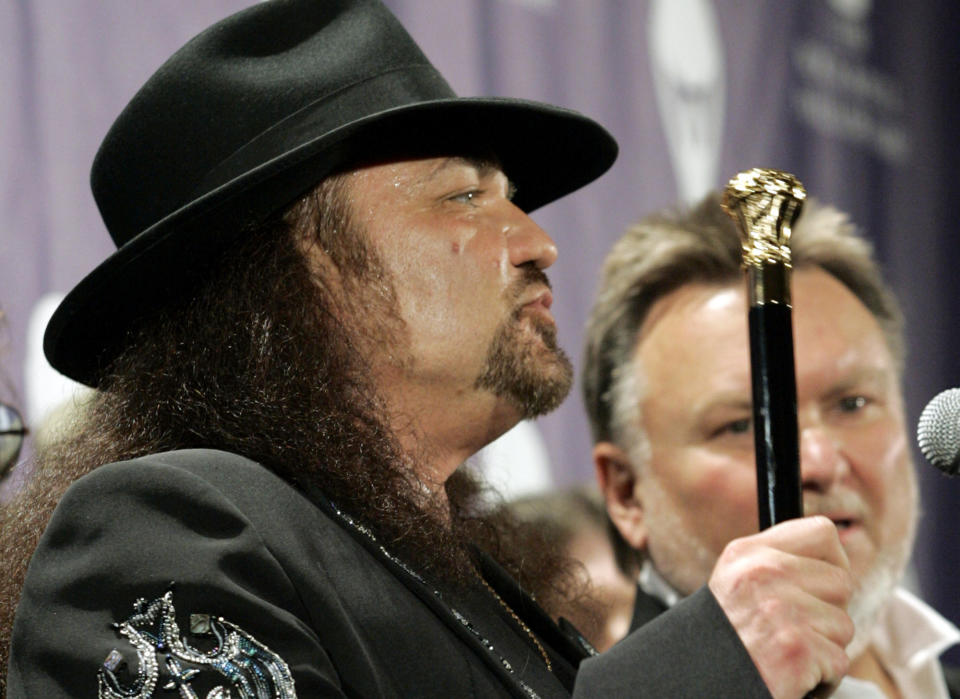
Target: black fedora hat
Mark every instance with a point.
(256, 110)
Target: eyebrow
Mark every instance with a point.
(870, 374)
(727, 400)
(484, 167)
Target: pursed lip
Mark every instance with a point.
(542, 299)
(539, 305)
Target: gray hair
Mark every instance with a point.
(675, 247)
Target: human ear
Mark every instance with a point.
(617, 479)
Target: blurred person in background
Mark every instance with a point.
(12, 428)
(574, 520)
(12, 434)
(667, 386)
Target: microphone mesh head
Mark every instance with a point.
(938, 432)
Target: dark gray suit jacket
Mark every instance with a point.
(699, 653)
(647, 608)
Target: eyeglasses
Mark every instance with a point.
(12, 433)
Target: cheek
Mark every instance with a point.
(718, 494)
(729, 494)
(881, 463)
(448, 297)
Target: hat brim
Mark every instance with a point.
(546, 151)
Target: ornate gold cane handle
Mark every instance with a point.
(765, 204)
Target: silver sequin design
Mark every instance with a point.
(251, 669)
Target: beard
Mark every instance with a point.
(874, 588)
(688, 562)
(534, 373)
(870, 596)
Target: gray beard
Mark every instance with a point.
(872, 593)
(693, 563)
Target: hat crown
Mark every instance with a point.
(184, 134)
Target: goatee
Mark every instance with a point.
(528, 368)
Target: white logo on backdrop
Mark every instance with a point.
(853, 10)
(686, 54)
(841, 92)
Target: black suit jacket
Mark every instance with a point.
(294, 581)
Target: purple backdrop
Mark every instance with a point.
(853, 96)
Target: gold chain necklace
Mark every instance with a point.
(520, 623)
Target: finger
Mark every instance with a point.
(812, 537)
(824, 581)
(824, 619)
(834, 665)
(792, 612)
(794, 659)
(749, 568)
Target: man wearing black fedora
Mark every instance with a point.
(327, 294)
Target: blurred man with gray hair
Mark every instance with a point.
(667, 386)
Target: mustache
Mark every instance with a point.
(846, 502)
(530, 275)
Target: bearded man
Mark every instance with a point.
(327, 295)
(668, 388)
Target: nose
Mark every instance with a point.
(527, 242)
(822, 463)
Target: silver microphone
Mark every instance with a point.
(938, 432)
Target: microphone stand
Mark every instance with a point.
(765, 204)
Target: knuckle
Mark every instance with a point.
(736, 549)
(773, 608)
(841, 588)
(766, 573)
(847, 584)
(792, 647)
(847, 629)
(840, 663)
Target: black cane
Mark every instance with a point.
(765, 204)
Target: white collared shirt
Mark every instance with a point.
(908, 638)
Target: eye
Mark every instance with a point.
(741, 426)
(467, 197)
(734, 427)
(851, 404)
